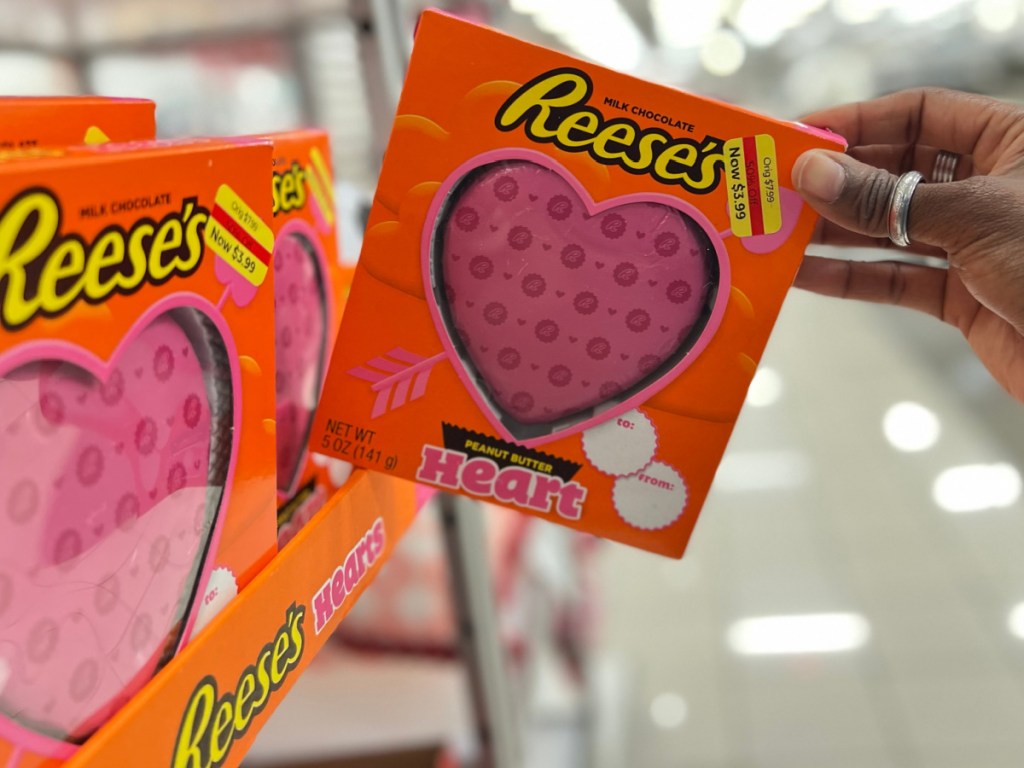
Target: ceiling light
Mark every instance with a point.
(996, 15)
(916, 11)
(1016, 621)
(600, 30)
(798, 634)
(686, 25)
(723, 53)
(977, 487)
(859, 11)
(527, 6)
(762, 22)
(911, 427)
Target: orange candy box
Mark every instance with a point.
(568, 278)
(136, 419)
(28, 122)
(310, 289)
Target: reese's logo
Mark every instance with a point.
(302, 185)
(289, 189)
(553, 108)
(43, 271)
(212, 723)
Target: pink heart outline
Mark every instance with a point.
(305, 231)
(35, 741)
(603, 412)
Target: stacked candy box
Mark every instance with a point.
(136, 419)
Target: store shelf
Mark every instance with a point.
(246, 660)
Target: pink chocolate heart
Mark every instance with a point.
(113, 475)
(559, 305)
(300, 330)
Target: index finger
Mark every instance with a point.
(951, 120)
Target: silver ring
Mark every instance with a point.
(899, 207)
(945, 166)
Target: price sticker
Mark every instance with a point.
(752, 184)
(239, 236)
(318, 177)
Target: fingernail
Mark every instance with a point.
(820, 176)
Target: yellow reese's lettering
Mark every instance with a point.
(211, 724)
(44, 272)
(553, 109)
(289, 189)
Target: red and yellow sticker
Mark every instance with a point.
(239, 236)
(318, 177)
(753, 182)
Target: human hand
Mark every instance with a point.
(975, 222)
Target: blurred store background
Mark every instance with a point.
(854, 594)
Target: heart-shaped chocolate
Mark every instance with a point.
(300, 330)
(604, 300)
(110, 495)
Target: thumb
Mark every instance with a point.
(856, 196)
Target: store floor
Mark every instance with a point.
(816, 512)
